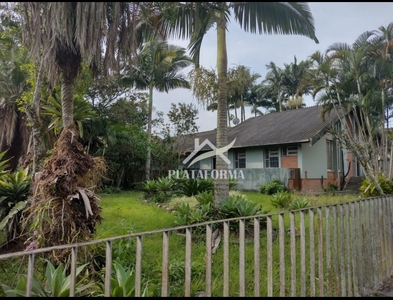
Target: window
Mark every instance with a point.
(329, 154)
(240, 159)
(289, 151)
(272, 158)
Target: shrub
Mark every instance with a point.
(122, 282)
(187, 216)
(14, 191)
(272, 187)
(331, 189)
(57, 284)
(192, 187)
(149, 188)
(368, 189)
(281, 199)
(235, 193)
(205, 197)
(174, 203)
(164, 185)
(299, 203)
(238, 206)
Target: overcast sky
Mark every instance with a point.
(335, 22)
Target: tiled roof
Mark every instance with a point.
(291, 126)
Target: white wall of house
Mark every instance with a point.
(254, 158)
(313, 159)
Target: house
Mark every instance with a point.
(295, 146)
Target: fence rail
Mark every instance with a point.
(335, 250)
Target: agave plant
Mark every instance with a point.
(122, 283)
(57, 284)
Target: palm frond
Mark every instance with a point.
(275, 18)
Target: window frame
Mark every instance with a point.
(240, 162)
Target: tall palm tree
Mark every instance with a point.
(273, 84)
(14, 130)
(193, 19)
(296, 82)
(156, 66)
(64, 34)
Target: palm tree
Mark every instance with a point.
(296, 82)
(63, 35)
(14, 130)
(272, 84)
(156, 66)
(193, 19)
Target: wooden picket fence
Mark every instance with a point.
(334, 250)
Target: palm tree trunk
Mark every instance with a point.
(221, 187)
(67, 101)
(149, 120)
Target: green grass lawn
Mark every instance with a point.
(125, 212)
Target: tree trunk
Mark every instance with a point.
(149, 120)
(33, 115)
(221, 187)
(67, 101)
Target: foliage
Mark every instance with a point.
(175, 202)
(232, 183)
(238, 206)
(56, 284)
(82, 111)
(177, 274)
(205, 197)
(14, 191)
(183, 118)
(281, 199)
(150, 188)
(185, 215)
(272, 187)
(122, 282)
(110, 190)
(331, 189)
(193, 187)
(299, 203)
(164, 184)
(3, 163)
(368, 189)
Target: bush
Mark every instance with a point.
(331, 189)
(174, 203)
(192, 187)
(205, 197)
(368, 189)
(149, 188)
(281, 199)
(56, 284)
(299, 203)
(272, 187)
(187, 216)
(14, 191)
